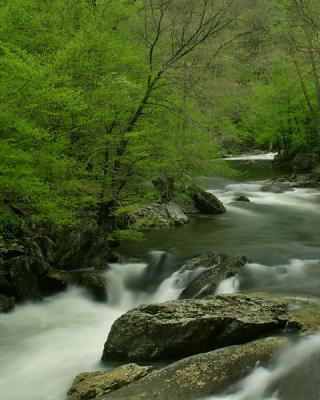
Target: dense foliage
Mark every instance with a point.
(98, 98)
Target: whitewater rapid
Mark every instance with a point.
(44, 346)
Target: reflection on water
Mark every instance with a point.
(272, 229)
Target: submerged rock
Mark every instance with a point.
(242, 198)
(91, 385)
(93, 283)
(200, 375)
(216, 268)
(184, 327)
(206, 202)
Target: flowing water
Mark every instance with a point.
(43, 346)
(294, 375)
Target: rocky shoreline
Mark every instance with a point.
(209, 342)
(206, 341)
(43, 262)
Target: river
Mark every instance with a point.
(43, 346)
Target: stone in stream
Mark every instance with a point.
(242, 198)
(200, 375)
(90, 385)
(93, 283)
(216, 268)
(205, 202)
(184, 327)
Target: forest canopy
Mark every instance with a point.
(99, 98)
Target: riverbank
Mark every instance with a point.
(64, 334)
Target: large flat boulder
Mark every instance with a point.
(90, 385)
(184, 327)
(200, 375)
(215, 268)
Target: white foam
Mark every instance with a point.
(228, 286)
(44, 346)
(267, 156)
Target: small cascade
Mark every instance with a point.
(64, 335)
(228, 286)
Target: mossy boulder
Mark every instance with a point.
(205, 202)
(184, 327)
(200, 375)
(90, 385)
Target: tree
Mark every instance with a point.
(302, 42)
(173, 31)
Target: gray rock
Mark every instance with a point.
(93, 283)
(90, 385)
(157, 215)
(23, 279)
(54, 281)
(82, 249)
(217, 267)
(200, 375)
(243, 198)
(175, 214)
(206, 202)
(184, 327)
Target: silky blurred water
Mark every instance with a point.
(44, 346)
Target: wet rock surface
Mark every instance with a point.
(157, 215)
(205, 202)
(200, 375)
(306, 180)
(93, 283)
(216, 268)
(185, 327)
(242, 198)
(90, 385)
